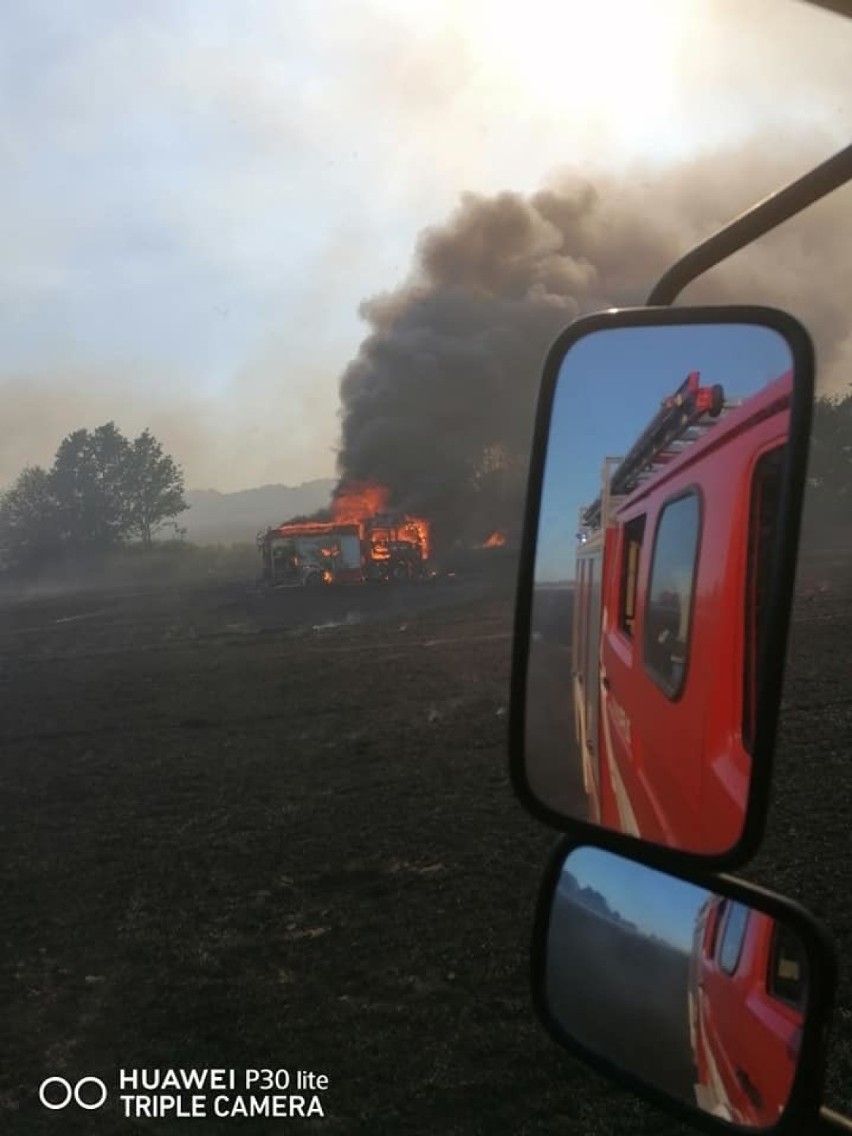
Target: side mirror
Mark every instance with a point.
(712, 999)
(657, 572)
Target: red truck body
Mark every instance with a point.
(669, 595)
(748, 997)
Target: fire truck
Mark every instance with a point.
(380, 548)
(671, 580)
(748, 989)
(306, 554)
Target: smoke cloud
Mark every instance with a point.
(438, 404)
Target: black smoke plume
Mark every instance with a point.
(438, 404)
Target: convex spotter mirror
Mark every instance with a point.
(715, 998)
(657, 573)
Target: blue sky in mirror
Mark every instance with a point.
(610, 386)
(658, 904)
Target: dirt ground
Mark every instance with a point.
(275, 830)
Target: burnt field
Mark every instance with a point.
(244, 829)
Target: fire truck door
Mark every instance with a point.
(654, 716)
(722, 1004)
(773, 1014)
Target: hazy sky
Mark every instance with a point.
(197, 197)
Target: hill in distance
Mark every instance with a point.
(227, 518)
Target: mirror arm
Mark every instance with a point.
(831, 1121)
(778, 207)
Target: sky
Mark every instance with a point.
(656, 903)
(198, 198)
(609, 387)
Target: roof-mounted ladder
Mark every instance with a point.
(682, 419)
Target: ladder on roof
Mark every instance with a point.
(682, 419)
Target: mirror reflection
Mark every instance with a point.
(694, 993)
(657, 530)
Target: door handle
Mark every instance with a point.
(605, 683)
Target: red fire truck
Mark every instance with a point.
(748, 993)
(671, 578)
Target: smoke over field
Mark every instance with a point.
(439, 401)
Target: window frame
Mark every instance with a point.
(628, 582)
(800, 1005)
(755, 632)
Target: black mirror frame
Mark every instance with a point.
(781, 591)
(804, 1104)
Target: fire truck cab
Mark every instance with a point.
(748, 993)
(672, 572)
(396, 548)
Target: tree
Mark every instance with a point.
(89, 482)
(101, 491)
(153, 486)
(28, 519)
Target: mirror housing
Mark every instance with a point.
(635, 941)
(678, 575)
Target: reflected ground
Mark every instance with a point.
(623, 994)
(554, 763)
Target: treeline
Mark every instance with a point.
(101, 492)
(104, 491)
(830, 462)
(592, 900)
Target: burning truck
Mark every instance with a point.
(361, 542)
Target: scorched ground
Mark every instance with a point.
(244, 829)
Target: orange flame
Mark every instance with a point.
(496, 540)
(411, 530)
(355, 502)
(306, 528)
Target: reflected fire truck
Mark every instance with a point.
(671, 580)
(748, 990)
(380, 548)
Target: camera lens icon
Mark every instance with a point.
(56, 1093)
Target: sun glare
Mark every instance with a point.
(606, 62)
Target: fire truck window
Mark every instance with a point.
(633, 532)
(715, 919)
(733, 936)
(788, 975)
(764, 512)
(669, 605)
